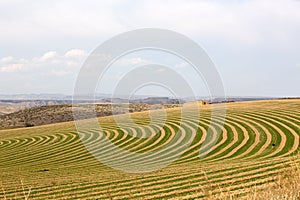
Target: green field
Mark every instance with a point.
(259, 141)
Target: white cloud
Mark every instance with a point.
(75, 53)
(131, 61)
(11, 67)
(48, 55)
(6, 59)
(50, 62)
(135, 61)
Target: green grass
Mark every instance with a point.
(54, 163)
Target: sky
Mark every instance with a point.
(254, 45)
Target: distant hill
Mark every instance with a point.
(12, 105)
(62, 113)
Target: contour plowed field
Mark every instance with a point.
(258, 141)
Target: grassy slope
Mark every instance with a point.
(52, 161)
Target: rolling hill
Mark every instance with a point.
(259, 145)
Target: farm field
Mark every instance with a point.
(258, 145)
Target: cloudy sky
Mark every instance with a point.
(255, 44)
